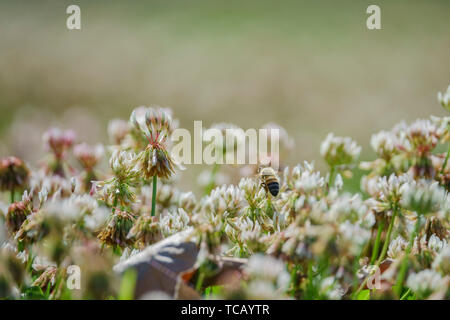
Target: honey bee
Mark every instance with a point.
(269, 180)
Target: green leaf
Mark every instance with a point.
(33, 293)
(127, 285)
(363, 295)
(213, 290)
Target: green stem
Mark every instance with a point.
(404, 265)
(114, 203)
(200, 278)
(406, 294)
(376, 246)
(12, 195)
(388, 235)
(212, 179)
(383, 251)
(444, 165)
(154, 195)
(331, 177)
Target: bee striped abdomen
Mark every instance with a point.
(273, 186)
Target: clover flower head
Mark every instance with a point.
(397, 247)
(420, 137)
(384, 143)
(156, 161)
(83, 209)
(87, 155)
(435, 244)
(442, 261)
(145, 231)
(115, 233)
(174, 221)
(423, 197)
(58, 141)
(331, 289)
(154, 123)
(253, 193)
(425, 282)
(117, 130)
(187, 201)
(304, 179)
(14, 174)
(348, 207)
(123, 164)
(166, 196)
(352, 237)
(390, 190)
(309, 181)
(17, 214)
(266, 268)
(339, 151)
(224, 199)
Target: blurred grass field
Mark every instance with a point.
(311, 66)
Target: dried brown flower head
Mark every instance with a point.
(145, 231)
(17, 214)
(116, 231)
(13, 174)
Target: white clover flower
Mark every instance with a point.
(369, 185)
(187, 201)
(339, 150)
(97, 218)
(117, 130)
(442, 261)
(77, 208)
(425, 282)
(383, 143)
(87, 155)
(224, 199)
(122, 162)
(248, 185)
(65, 209)
(389, 191)
(173, 221)
(424, 197)
(52, 186)
(397, 247)
(309, 181)
(303, 178)
(347, 207)
(262, 290)
(352, 237)
(435, 244)
(331, 289)
(444, 98)
(265, 267)
(166, 195)
(422, 135)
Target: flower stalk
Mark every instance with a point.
(404, 264)
(154, 185)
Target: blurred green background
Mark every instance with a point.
(310, 66)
